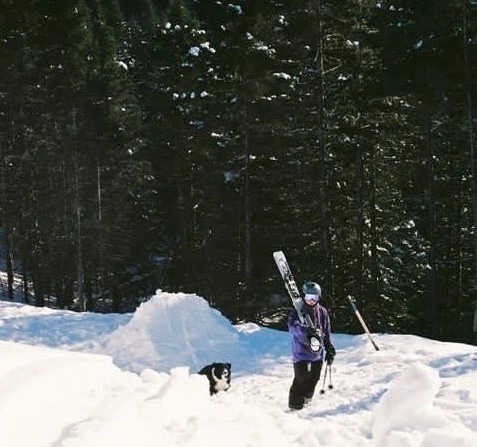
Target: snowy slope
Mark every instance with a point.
(90, 380)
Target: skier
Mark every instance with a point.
(308, 346)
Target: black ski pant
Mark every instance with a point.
(307, 375)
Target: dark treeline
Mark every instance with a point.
(176, 144)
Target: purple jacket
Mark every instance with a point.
(300, 349)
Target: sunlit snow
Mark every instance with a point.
(89, 380)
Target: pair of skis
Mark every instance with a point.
(297, 301)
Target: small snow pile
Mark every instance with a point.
(171, 330)
(406, 415)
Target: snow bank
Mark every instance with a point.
(406, 414)
(38, 385)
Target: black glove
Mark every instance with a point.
(314, 339)
(330, 354)
(312, 332)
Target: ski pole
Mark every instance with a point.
(361, 320)
(322, 391)
(330, 385)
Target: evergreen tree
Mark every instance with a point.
(422, 52)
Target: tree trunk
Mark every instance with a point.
(323, 182)
(7, 232)
(361, 226)
(431, 203)
(77, 214)
(470, 130)
(244, 261)
(373, 291)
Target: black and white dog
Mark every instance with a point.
(218, 375)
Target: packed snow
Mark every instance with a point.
(93, 380)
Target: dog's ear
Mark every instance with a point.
(228, 365)
(205, 369)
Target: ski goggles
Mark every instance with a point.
(311, 298)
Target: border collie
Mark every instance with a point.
(218, 375)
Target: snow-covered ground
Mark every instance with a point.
(91, 380)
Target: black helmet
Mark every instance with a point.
(312, 288)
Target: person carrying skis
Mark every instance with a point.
(309, 343)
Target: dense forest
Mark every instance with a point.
(175, 144)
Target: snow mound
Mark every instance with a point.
(171, 330)
(406, 414)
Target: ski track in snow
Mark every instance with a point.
(358, 386)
